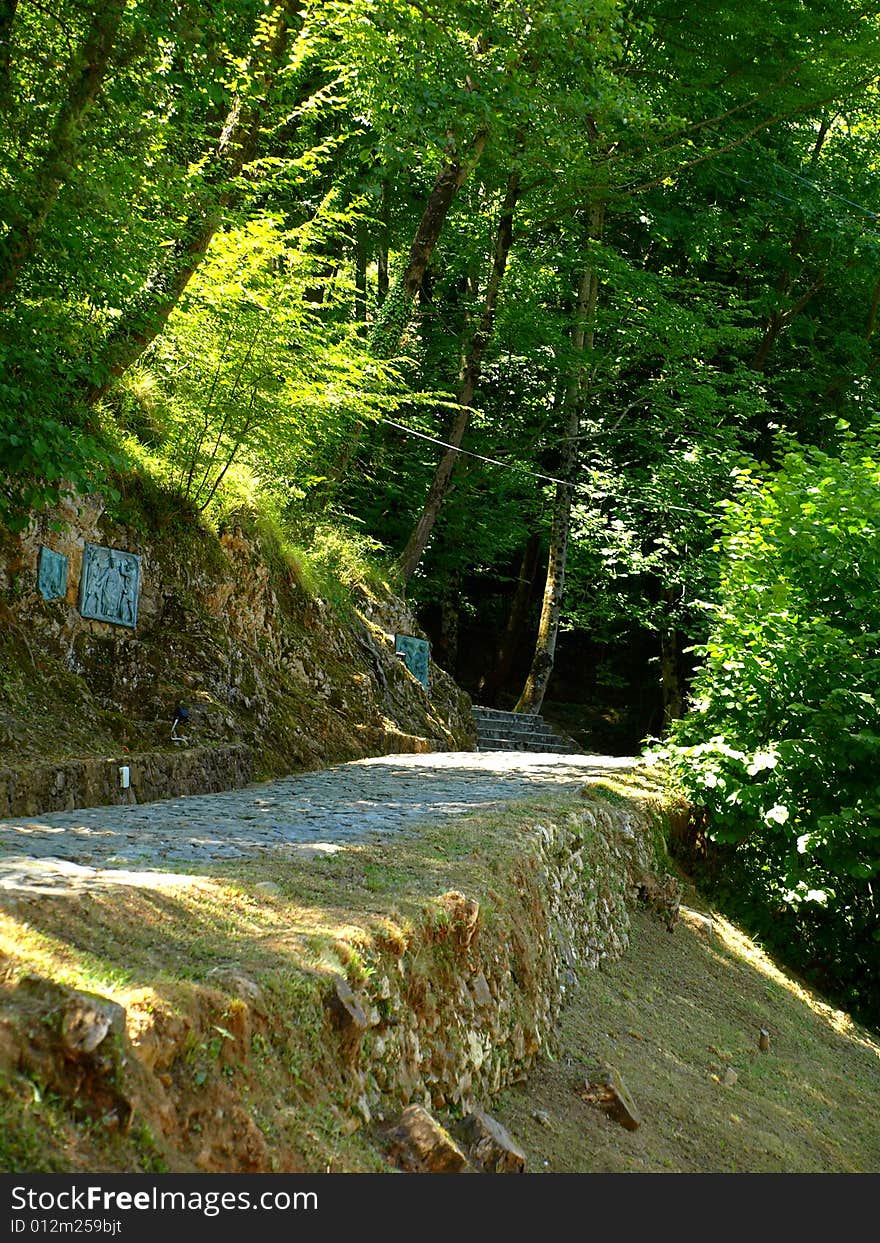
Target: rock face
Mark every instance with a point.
(491, 1147)
(421, 1145)
(346, 1011)
(268, 671)
(72, 1043)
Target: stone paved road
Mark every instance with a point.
(309, 812)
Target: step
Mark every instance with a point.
(513, 731)
(556, 748)
(532, 742)
(500, 732)
(497, 714)
(515, 726)
(509, 718)
(517, 735)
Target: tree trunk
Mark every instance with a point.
(871, 323)
(778, 320)
(492, 682)
(384, 241)
(391, 324)
(7, 22)
(360, 272)
(84, 76)
(450, 605)
(468, 379)
(139, 326)
(535, 688)
(670, 678)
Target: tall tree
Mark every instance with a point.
(83, 77)
(492, 681)
(238, 143)
(582, 341)
(468, 379)
(396, 309)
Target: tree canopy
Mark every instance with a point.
(567, 308)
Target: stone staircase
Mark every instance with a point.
(517, 731)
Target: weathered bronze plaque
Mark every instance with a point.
(416, 655)
(52, 574)
(108, 585)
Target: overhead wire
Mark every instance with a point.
(828, 193)
(443, 444)
(777, 194)
(524, 470)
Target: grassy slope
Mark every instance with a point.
(672, 1016)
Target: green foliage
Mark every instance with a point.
(338, 560)
(198, 247)
(783, 743)
(251, 374)
(42, 461)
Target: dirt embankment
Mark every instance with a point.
(279, 1014)
(273, 677)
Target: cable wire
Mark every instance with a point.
(533, 474)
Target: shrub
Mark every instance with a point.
(782, 745)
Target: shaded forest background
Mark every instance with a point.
(288, 258)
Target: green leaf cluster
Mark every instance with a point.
(782, 745)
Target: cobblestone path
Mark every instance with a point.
(311, 813)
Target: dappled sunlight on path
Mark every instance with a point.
(310, 813)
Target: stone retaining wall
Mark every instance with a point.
(441, 1008)
(472, 1001)
(95, 781)
(66, 785)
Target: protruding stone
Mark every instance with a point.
(764, 1040)
(347, 1011)
(476, 1050)
(86, 1018)
(730, 1077)
(86, 1022)
(607, 1088)
(237, 983)
(480, 990)
(463, 914)
(491, 1146)
(71, 1042)
(420, 1145)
